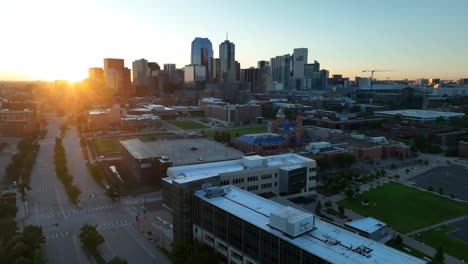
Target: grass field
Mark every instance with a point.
(186, 125)
(439, 236)
(104, 145)
(405, 208)
(240, 131)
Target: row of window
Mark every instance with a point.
(252, 178)
(312, 178)
(235, 181)
(266, 185)
(266, 176)
(311, 189)
(252, 188)
(312, 169)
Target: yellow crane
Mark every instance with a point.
(372, 81)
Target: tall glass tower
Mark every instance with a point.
(202, 54)
(227, 61)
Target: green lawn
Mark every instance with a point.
(104, 145)
(439, 236)
(405, 208)
(187, 125)
(240, 131)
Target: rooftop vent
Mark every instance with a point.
(291, 221)
(217, 191)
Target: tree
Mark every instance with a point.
(341, 209)
(90, 237)
(33, 236)
(439, 256)
(318, 207)
(184, 252)
(441, 191)
(117, 260)
(344, 159)
(328, 204)
(323, 163)
(349, 193)
(7, 229)
(430, 188)
(398, 240)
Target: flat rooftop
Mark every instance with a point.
(420, 114)
(189, 173)
(138, 149)
(193, 150)
(368, 225)
(327, 241)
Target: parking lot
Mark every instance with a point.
(462, 230)
(452, 179)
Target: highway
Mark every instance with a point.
(48, 205)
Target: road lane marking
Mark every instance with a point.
(58, 199)
(141, 244)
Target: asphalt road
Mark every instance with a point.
(48, 204)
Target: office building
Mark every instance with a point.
(216, 70)
(202, 54)
(117, 77)
(245, 228)
(169, 67)
(314, 78)
(238, 71)
(234, 114)
(227, 62)
(281, 70)
(252, 76)
(96, 74)
(194, 73)
(140, 73)
(299, 60)
(265, 75)
(113, 73)
(288, 175)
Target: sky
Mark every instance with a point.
(61, 39)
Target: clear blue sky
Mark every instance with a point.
(60, 39)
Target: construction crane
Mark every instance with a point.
(372, 81)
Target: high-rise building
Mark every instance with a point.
(281, 70)
(227, 62)
(140, 73)
(194, 73)
(202, 54)
(126, 89)
(169, 67)
(96, 74)
(216, 69)
(265, 75)
(314, 78)
(117, 76)
(251, 75)
(238, 71)
(299, 60)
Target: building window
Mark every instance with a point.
(312, 169)
(276, 183)
(252, 188)
(312, 178)
(253, 178)
(311, 189)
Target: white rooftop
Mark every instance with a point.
(327, 241)
(422, 114)
(368, 224)
(194, 172)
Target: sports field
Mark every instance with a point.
(405, 208)
(105, 145)
(440, 236)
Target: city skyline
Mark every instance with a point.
(51, 40)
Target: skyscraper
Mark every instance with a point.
(169, 67)
(299, 59)
(265, 75)
(202, 54)
(140, 73)
(216, 69)
(281, 70)
(114, 74)
(227, 62)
